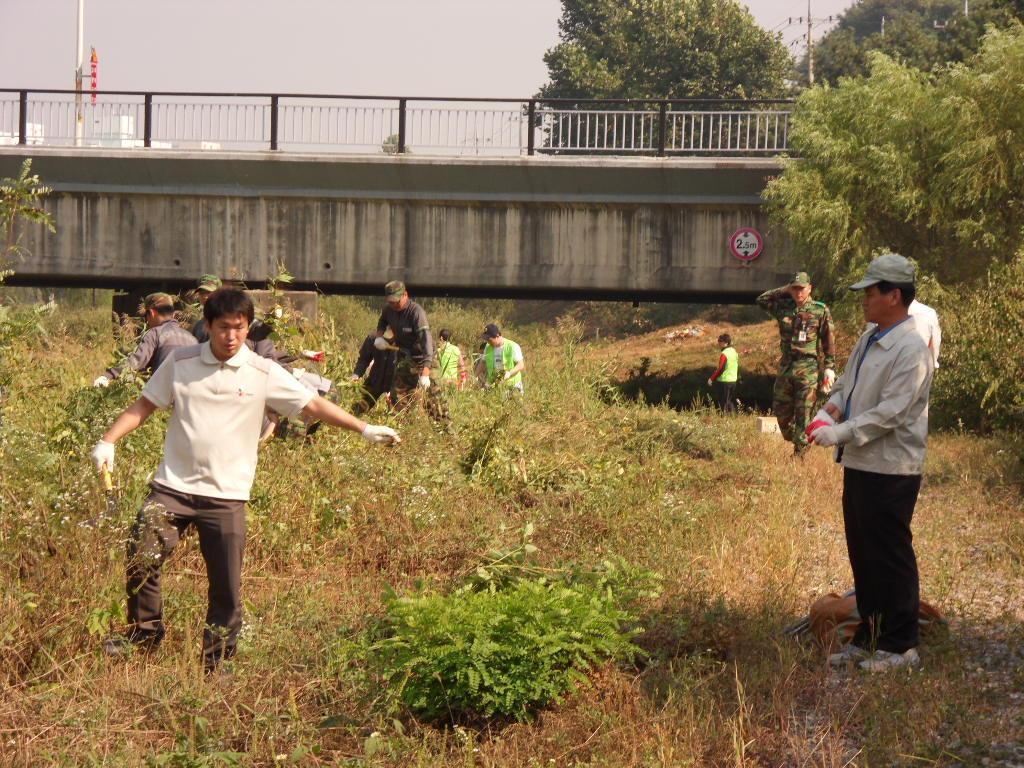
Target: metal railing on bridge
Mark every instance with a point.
(393, 125)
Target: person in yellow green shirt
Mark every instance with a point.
(451, 364)
(727, 375)
(502, 360)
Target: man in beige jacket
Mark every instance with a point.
(878, 417)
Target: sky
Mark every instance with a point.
(464, 48)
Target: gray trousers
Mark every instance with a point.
(165, 516)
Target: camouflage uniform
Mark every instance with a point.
(807, 341)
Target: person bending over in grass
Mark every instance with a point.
(217, 391)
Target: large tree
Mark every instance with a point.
(926, 34)
(929, 165)
(663, 49)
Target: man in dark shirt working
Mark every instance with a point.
(411, 328)
(162, 338)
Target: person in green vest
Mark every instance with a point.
(727, 374)
(502, 360)
(451, 364)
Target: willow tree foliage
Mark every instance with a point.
(931, 166)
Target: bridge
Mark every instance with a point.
(627, 201)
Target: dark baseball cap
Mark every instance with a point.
(154, 300)
(491, 331)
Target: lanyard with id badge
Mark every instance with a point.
(800, 333)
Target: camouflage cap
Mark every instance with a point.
(394, 290)
(209, 283)
(890, 268)
(800, 280)
(154, 300)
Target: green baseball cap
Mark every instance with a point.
(209, 283)
(890, 268)
(154, 300)
(394, 290)
(800, 279)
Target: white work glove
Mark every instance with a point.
(353, 377)
(102, 381)
(380, 435)
(710, 382)
(380, 343)
(423, 382)
(828, 380)
(103, 453)
(824, 436)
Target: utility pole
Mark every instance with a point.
(883, 26)
(810, 47)
(79, 54)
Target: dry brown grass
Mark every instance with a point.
(744, 541)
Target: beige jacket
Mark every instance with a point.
(887, 426)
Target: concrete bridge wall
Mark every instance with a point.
(577, 227)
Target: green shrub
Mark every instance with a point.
(980, 385)
(514, 638)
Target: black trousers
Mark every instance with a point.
(166, 515)
(726, 396)
(877, 510)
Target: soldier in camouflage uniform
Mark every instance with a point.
(808, 343)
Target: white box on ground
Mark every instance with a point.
(768, 425)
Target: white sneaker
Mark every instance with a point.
(850, 654)
(883, 661)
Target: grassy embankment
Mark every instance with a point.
(743, 536)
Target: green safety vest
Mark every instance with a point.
(448, 358)
(732, 366)
(508, 351)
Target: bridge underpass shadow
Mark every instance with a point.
(689, 388)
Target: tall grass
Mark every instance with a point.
(743, 536)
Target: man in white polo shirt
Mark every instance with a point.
(878, 416)
(218, 391)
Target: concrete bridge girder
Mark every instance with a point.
(602, 228)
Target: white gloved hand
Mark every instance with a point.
(710, 382)
(380, 343)
(828, 380)
(825, 416)
(380, 435)
(102, 381)
(825, 436)
(353, 377)
(103, 453)
(423, 382)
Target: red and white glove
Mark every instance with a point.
(825, 436)
(828, 380)
(821, 419)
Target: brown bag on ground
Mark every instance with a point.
(834, 620)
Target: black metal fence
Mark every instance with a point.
(393, 125)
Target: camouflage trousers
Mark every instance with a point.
(794, 398)
(405, 391)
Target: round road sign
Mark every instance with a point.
(746, 244)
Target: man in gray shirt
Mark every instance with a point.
(162, 338)
(878, 417)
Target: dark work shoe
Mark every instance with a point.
(124, 646)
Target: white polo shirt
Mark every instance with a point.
(214, 430)
(926, 320)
